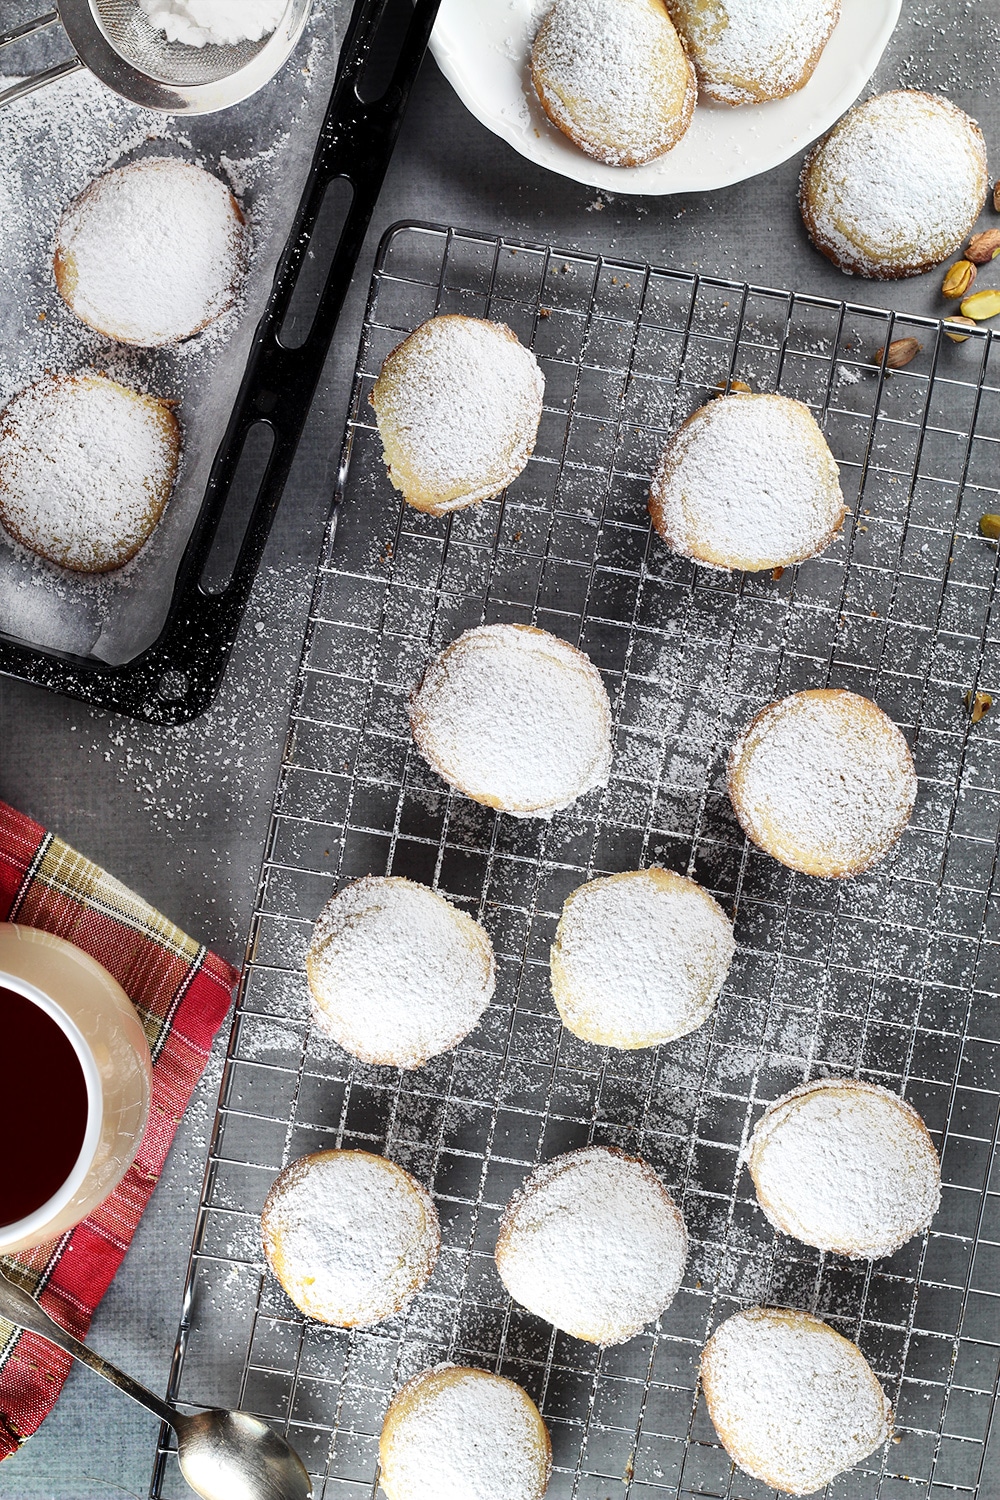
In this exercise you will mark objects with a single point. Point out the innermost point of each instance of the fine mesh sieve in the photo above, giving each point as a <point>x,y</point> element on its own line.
<point>116,41</point>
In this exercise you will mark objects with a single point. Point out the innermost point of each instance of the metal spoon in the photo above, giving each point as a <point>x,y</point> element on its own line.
<point>224,1455</point>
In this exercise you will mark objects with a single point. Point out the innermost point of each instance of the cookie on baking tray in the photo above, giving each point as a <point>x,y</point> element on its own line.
<point>86,469</point>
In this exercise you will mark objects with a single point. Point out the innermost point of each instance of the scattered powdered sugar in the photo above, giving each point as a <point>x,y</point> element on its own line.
<point>614,76</point>
<point>594,1244</point>
<point>749,50</point>
<point>350,1236</point>
<point>86,468</point>
<point>397,973</point>
<point>794,1403</point>
<point>824,781</point>
<point>201,23</point>
<point>515,718</point>
<point>845,1166</point>
<point>458,405</point>
<point>748,482</point>
<point>151,252</point>
<point>639,958</point>
<point>896,185</point>
<point>461,1434</point>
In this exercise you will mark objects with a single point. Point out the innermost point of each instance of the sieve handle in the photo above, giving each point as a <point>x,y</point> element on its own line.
<point>47,75</point>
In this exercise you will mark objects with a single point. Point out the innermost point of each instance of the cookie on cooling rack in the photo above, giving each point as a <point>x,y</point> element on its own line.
<point>86,469</point>
<point>152,252</point>
<point>466,1434</point>
<point>594,1244</point>
<point>748,482</point>
<point>845,1166</point>
<point>896,186</point>
<point>613,76</point>
<point>397,973</point>
<point>823,781</point>
<point>350,1236</point>
<point>750,51</point>
<point>514,718</point>
<point>794,1402</point>
<point>458,405</point>
<point>639,958</point>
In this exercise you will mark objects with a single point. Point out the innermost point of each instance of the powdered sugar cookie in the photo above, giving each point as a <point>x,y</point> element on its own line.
<point>350,1236</point>
<point>454,1433</point>
<point>397,973</point>
<point>614,77</point>
<point>748,482</point>
<point>845,1166</point>
<point>86,469</point>
<point>639,958</point>
<point>823,781</point>
<point>458,406</point>
<point>794,1403</point>
<point>593,1243</point>
<point>749,51</point>
<point>515,718</point>
<point>896,185</point>
<point>151,253</point>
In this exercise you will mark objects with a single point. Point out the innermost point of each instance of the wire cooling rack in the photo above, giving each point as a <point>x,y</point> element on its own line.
<point>893,977</point>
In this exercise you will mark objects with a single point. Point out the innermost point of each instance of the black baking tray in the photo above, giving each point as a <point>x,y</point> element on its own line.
<point>176,678</point>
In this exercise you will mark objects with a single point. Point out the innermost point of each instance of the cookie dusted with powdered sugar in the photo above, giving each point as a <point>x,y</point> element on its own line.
<point>454,1433</point>
<point>350,1236</point>
<point>750,51</point>
<point>594,1244</point>
<point>397,974</point>
<point>458,405</point>
<point>896,186</point>
<point>514,718</point>
<point>86,469</point>
<point>613,76</point>
<point>845,1166</point>
<point>748,482</point>
<point>794,1402</point>
<point>639,958</point>
<point>152,252</point>
<point>823,781</point>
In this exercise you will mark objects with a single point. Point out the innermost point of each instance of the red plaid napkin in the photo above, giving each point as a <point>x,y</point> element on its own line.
<point>182,993</point>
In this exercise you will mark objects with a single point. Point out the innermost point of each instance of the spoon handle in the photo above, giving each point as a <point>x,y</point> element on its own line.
<point>21,1309</point>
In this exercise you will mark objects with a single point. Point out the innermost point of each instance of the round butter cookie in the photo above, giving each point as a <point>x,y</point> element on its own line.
<point>86,469</point>
<point>896,186</point>
<point>350,1236</point>
<point>614,77</point>
<point>514,718</point>
<point>748,482</point>
<point>594,1244</point>
<point>639,958</point>
<point>454,1433</point>
<point>845,1166</point>
<point>458,405</point>
<point>794,1402</point>
<point>823,781</point>
<point>397,973</point>
<point>749,51</point>
<point>151,253</point>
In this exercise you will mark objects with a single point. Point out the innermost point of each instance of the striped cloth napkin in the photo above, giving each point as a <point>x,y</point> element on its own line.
<point>182,993</point>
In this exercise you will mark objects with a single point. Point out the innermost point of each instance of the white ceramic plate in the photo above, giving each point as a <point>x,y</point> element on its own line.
<point>482,47</point>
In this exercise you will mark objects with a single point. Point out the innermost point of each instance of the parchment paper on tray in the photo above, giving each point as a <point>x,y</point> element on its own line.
<point>51,144</point>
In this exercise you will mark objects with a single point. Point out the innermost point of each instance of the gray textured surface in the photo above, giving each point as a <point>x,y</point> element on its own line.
<point>181,815</point>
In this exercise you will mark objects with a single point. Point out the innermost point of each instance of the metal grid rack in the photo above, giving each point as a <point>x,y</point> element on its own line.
<point>892,977</point>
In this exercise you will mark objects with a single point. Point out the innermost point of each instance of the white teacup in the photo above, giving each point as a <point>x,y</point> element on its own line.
<point>100,1024</point>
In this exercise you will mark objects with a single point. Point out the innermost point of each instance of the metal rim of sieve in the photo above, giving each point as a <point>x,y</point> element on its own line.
<point>117,43</point>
